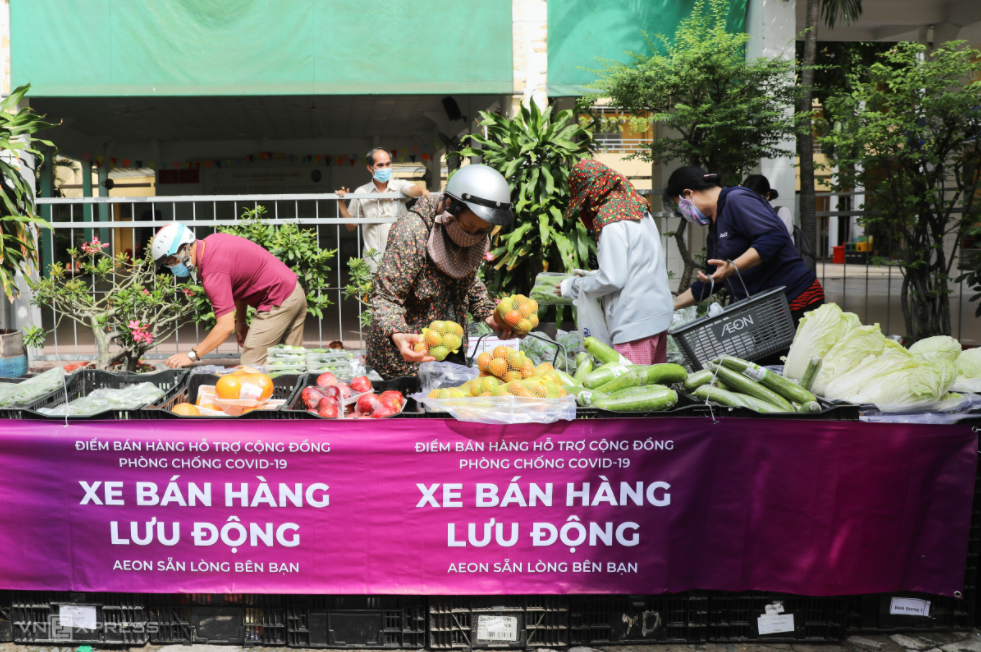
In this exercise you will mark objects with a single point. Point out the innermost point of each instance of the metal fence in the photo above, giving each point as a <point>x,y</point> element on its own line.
<point>128,225</point>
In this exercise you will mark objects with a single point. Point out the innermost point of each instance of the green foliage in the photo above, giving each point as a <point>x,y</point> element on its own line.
<point>362,283</point>
<point>535,152</point>
<point>34,337</point>
<point>729,112</point>
<point>910,134</point>
<point>18,216</point>
<point>133,309</point>
<point>296,247</point>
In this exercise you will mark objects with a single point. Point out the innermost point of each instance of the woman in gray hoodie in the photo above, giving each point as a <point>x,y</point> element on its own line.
<point>632,280</point>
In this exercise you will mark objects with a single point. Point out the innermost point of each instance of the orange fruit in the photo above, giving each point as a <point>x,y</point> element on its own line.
<point>498,367</point>
<point>534,321</point>
<point>523,326</point>
<point>210,406</point>
<point>263,382</point>
<point>500,351</point>
<point>515,359</point>
<point>512,376</point>
<point>512,318</point>
<point>420,347</point>
<point>433,339</point>
<point>229,386</point>
<point>528,308</point>
<point>483,360</point>
<point>185,409</point>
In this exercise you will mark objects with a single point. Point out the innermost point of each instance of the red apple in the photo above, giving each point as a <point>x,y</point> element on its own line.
<point>328,411</point>
<point>368,403</point>
<point>382,412</point>
<point>311,396</point>
<point>346,391</point>
<point>392,399</point>
<point>327,401</point>
<point>333,392</point>
<point>326,379</point>
<point>361,384</point>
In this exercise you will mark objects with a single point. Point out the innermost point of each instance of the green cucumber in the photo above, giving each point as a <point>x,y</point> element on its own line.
<point>603,375</point>
<point>661,374</point>
<point>602,352</point>
<point>744,385</point>
<point>567,380</point>
<point>654,400</point>
<point>810,407</point>
<point>721,396</point>
<point>785,388</point>
<point>633,391</point>
<point>584,364</point>
<point>813,367</point>
<point>762,406</point>
<point>698,379</point>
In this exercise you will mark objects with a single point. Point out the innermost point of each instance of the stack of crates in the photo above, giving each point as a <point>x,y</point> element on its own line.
<point>733,616</point>
<point>236,619</point>
<point>356,621</point>
<point>498,622</point>
<point>667,618</point>
<point>91,618</point>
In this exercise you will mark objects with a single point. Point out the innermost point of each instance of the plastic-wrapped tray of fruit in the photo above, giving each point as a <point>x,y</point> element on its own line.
<point>331,398</point>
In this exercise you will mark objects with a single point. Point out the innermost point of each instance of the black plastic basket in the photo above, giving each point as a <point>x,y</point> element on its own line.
<point>286,387</point>
<point>11,411</point>
<point>84,381</point>
<point>618,619</point>
<point>120,618</point>
<point>355,621</point>
<point>6,627</point>
<point>498,622</point>
<point>239,619</point>
<point>751,328</point>
<point>733,616</point>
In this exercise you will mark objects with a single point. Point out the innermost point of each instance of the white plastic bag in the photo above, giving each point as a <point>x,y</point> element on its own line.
<point>437,375</point>
<point>503,410</point>
<point>590,319</point>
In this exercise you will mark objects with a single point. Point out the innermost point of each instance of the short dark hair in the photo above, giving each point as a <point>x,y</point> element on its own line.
<point>690,177</point>
<point>758,184</point>
<point>371,154</point>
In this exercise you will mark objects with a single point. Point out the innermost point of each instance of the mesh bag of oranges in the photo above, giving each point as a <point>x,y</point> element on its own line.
<point>440,339</point>
<point>509,364</point>
<point>517,312</point>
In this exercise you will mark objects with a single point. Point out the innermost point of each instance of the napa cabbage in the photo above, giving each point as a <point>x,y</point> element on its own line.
<point>847,353</point>
<point>818,331</point>
<point>940,346</point>
<point>968,363</point>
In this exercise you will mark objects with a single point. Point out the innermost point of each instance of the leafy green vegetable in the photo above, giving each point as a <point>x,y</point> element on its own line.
<point>819,330</point>
<point>847,353</point>
<point>968,363</point>
<point>938,346</point>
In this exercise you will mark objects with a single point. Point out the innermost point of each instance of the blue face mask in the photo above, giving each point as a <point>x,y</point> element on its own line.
<point>383,175</point>
<point>180,271</point>
<point>691,213</point>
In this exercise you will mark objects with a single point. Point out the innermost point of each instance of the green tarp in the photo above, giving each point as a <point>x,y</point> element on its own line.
<point>260,47</point>
<point>582,32</point>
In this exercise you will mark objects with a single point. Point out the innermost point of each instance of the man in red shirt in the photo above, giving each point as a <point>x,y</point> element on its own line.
<point>236,273</point>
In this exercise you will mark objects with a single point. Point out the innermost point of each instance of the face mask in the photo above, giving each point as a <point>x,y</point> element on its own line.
<point>460,237</point>
<point>181,270</point>
<point>691,213</point>
<point>383,175</point>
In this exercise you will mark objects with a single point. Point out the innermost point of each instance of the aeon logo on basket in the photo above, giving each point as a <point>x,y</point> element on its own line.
<point>81,622</point>
<point>736,325</point>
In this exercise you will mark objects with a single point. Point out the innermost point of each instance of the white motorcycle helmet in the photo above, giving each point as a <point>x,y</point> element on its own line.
<point>168,241</point>
<point>485,191</point>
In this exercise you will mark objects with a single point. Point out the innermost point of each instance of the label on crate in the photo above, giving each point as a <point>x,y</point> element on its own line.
<point>754,372</point>
<point>77,616</point>
<point>909,607</point>
<point>497,628</point>
<point>774,608</point>
<point>775,624</point>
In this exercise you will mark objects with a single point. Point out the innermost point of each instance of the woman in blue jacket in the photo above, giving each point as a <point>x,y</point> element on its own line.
<point>745,229</point>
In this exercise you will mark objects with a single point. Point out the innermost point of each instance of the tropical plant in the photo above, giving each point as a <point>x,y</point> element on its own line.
<point>18,216</point>
<point>129,309</point>
<point>362,283</point>
<point>910,135</point>
<point>728,112</point>
<point>832,12</point>
<point>296,247</point>
<point>535,151</point>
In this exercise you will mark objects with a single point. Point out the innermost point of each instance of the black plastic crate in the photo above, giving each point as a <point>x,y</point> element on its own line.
<point>239,619</point>
<point>356,621</point>
<point>84,381</point>
<point>12,411</point>
<point>616,619</point>
<point>286,387</point>
<point>870,613</point>
<point>6,624</point>
<point>120,618</point>
<point>733,616</point>
<point>498,622</point>
<point>829,411</point>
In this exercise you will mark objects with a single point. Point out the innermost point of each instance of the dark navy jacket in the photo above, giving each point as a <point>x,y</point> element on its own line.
<point>746,220</point>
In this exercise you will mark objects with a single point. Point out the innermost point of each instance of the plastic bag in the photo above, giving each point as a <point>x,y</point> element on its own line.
<point>681,317</point>
<point>938,412</point>
<point>100,400</point>
<point>970,385</point>
<point>503,410</point>
<point>544,290</point>
<point>32,389</point>
<point>437,375</point>
<point>590,319</point>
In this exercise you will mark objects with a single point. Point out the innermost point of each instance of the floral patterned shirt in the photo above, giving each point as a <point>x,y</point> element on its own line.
<point>411,292</point>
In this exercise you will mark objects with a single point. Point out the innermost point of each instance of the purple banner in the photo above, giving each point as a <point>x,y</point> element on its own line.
<point>426,506</point>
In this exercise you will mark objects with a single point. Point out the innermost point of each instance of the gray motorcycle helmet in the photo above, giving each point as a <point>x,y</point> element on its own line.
<point>485,191</point>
